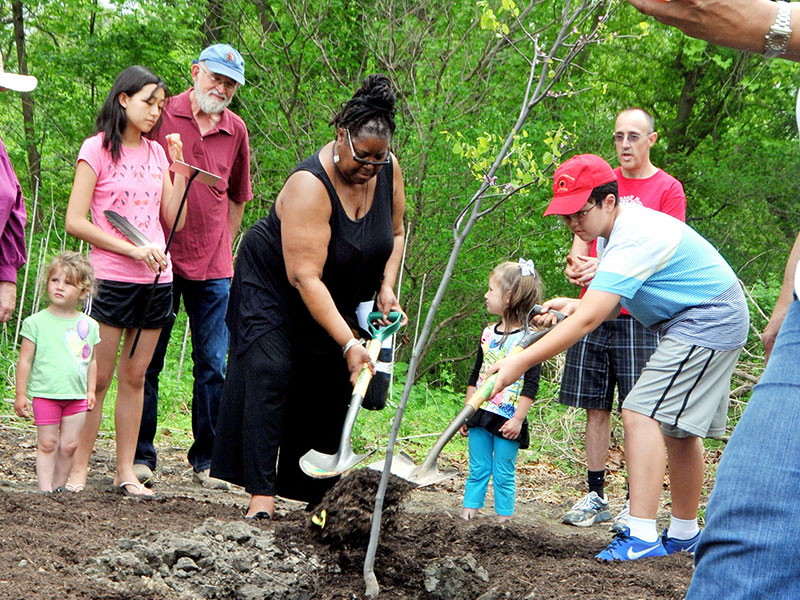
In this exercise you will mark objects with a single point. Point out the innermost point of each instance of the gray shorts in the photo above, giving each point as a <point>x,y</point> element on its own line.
<point>686,388</point>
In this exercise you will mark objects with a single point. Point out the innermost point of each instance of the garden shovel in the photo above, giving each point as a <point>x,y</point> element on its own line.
<point>428,473</point>
<point>320,466</point>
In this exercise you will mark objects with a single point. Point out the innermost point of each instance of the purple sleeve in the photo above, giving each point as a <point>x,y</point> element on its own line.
<point>12,220</point>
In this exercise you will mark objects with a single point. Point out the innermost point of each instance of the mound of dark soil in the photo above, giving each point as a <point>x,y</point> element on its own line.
<point>192,543</point>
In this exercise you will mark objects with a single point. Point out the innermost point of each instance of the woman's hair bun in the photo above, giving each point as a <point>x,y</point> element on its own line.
<point>377,89</point>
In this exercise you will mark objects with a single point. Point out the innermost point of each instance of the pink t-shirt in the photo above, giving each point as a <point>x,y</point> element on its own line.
<point>132,187</point>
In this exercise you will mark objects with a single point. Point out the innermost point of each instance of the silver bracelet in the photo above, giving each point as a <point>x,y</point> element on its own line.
<point>350,343</point>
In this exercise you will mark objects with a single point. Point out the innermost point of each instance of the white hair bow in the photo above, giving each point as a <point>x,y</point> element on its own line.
<point>526,266</point>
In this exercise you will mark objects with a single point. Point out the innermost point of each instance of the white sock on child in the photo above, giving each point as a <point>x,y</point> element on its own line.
<point>644,529</point>
<point>682,529</point>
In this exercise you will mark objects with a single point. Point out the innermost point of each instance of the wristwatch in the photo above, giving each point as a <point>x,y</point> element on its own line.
<point>778,37</point>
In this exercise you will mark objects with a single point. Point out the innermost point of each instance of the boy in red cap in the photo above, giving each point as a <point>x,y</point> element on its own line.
<point>671,279</point>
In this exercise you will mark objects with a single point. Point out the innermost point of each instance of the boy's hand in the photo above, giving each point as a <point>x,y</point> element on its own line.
<point>567,306</point>
<point>90,401</point>
<point>464,430</point>
<point>22,407</point>
<point>511,428</point>
<point>508,371</point>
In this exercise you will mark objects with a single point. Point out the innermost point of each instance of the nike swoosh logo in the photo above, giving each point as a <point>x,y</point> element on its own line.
<point>634,555</point>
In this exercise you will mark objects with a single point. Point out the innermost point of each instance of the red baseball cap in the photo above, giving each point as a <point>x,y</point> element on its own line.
<point>574,181</point>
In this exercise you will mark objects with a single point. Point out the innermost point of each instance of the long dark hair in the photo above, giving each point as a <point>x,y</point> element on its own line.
<point>370,110</point>
<point>112,119</point>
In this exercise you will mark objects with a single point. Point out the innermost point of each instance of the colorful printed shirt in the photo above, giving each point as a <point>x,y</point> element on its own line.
<point>63,352</point>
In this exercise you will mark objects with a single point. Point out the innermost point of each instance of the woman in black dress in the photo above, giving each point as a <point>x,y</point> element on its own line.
<point>332,239</point>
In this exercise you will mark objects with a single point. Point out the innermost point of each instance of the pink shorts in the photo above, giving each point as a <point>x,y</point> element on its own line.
<point>50,412</point>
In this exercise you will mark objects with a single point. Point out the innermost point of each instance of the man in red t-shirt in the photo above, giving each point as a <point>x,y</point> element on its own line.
<point>215,140</point>
<point>614,354</point>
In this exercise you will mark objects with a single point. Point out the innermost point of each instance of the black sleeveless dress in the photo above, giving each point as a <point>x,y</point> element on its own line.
<point>287,383</point>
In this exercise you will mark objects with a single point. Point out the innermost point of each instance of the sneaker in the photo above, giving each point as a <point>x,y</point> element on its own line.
<point>212,483</point>
<point>626,547</point>
<point>588,510</point>
<point>143,473</point>
<point>621,520</point>
<point>673,545</point>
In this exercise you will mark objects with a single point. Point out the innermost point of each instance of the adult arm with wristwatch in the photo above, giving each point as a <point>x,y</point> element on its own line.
<point>760,26</point>
<point>748,548</point>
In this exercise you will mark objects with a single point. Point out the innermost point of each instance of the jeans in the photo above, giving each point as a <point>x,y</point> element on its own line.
<point>749,549</point>
<point>206,303</point>
<point>495,457</point>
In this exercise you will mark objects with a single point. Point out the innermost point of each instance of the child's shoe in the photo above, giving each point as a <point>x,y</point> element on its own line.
<point>626,547</point>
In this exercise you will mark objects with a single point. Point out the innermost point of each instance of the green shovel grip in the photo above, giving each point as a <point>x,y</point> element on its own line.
<point>381,333</point>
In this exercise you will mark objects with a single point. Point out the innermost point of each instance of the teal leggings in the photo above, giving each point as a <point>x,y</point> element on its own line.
<point>495,457</point>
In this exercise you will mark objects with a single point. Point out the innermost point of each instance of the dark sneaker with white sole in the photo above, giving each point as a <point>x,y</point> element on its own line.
<point>588,510</point>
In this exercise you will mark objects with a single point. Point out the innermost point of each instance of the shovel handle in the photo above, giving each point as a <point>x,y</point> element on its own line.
<point>481,395</point>
<point>381,333</point>
<point>365,376</point>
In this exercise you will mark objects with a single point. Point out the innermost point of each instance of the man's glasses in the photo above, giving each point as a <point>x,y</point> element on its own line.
<point>632,137</point>
<point>228,84</point>
<point>577,216</point>
<point>364,161</point>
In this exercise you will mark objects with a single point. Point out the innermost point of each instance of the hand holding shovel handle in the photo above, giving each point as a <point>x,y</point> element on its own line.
<point>319,465</point>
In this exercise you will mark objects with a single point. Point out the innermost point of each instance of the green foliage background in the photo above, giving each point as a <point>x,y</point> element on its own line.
<point>725,121</point>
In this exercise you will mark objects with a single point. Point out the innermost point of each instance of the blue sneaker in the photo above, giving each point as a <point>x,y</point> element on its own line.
<point>673,545</point>
<point>626,547</point>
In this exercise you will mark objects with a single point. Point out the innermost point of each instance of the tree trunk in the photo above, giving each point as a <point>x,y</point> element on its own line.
<point>34,161</point>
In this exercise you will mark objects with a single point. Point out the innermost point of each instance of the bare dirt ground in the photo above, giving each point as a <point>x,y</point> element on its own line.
<point>192,543</point>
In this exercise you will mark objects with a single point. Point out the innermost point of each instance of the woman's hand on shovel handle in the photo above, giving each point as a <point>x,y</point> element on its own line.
<point>387,302</point>
<point>356,357</point>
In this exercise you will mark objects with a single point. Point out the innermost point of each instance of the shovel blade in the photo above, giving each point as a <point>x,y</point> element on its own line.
<point>403,466</point>
<point>322,466</point>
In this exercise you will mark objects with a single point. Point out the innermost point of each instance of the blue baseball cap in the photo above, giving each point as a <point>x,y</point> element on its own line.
<point>223,59</point>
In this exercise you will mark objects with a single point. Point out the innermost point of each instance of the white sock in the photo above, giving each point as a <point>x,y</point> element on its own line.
<point>682,529</point>
<point>644,529</point>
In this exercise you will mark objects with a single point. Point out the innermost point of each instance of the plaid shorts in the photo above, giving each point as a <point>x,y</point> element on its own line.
<point>613,355</point>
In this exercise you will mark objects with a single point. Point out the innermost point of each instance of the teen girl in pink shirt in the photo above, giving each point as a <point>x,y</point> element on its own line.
<point>120,170</point>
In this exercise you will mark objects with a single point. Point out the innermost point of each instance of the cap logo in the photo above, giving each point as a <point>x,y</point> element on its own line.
<point>563,183</point>
<point>229,57</point>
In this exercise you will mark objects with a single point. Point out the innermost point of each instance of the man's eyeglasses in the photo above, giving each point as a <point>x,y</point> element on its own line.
<point>364,161</point>
<point>577,216</point>
<point>632,137</point>
<point>217,80</point>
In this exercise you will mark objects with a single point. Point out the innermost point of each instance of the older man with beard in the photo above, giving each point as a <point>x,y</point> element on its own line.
<point>216,140</point>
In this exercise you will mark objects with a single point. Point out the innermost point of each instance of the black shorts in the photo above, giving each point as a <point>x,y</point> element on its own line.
<point>121,304</point>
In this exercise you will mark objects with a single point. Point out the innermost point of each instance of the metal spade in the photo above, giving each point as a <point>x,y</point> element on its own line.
<point>319,465</point>
<point>428,473</point>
